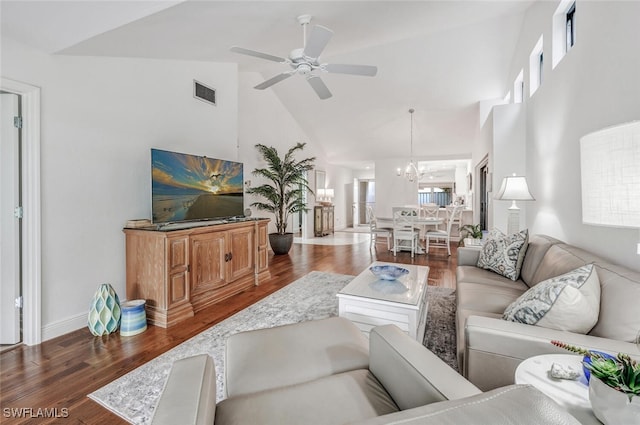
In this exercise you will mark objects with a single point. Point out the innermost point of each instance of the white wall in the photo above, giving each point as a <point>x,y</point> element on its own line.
<point>594,86</point>
<point>392,190</point>
<point>509,156</point>
<point>100,117</point>
<point>262,118</point>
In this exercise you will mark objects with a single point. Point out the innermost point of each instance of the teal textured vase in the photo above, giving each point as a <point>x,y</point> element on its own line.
<point>104,314</point>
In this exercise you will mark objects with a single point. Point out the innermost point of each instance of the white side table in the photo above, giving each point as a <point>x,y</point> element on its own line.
<point>572,395</point>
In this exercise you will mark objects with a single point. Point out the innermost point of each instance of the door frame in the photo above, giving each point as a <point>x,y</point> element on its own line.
<point>484,187</point>
<point>31,203</point>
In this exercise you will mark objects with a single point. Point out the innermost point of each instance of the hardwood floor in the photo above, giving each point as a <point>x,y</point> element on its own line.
<point>59,373</point>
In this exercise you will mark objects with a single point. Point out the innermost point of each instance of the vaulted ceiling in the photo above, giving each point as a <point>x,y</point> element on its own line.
<point>439,57</point>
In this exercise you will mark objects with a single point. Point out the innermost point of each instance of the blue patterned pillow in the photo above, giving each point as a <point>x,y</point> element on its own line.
<point>504,254</point>
<point>570,302</point>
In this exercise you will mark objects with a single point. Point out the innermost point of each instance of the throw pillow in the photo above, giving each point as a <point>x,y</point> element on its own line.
<point>504,254</point>
<point>570,302</point>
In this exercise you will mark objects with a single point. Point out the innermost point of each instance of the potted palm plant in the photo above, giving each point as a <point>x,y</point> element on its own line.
<point>284,193</point>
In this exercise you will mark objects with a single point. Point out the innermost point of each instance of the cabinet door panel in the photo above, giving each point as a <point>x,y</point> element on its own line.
<point>178,253</point>
<point>241,244</point>
<point>208,262</point>
<point>263,248</point>
<point>178,288</point>
<point>178,260</point>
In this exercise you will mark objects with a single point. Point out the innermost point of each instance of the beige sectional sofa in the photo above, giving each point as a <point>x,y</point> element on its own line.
<point>490,348</point>
<point>327,372</point>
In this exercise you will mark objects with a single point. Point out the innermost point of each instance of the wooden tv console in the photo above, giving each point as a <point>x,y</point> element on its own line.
<point>182,271</point>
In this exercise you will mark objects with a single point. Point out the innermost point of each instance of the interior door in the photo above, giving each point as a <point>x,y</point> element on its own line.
<point>9,220</point>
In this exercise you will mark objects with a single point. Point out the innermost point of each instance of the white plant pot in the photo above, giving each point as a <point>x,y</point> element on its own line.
<point>613,407</point>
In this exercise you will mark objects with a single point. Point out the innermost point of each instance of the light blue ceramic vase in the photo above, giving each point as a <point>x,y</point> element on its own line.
<point>104,314</point>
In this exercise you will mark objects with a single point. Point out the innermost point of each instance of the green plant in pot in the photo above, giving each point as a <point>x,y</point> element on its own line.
<point>284,193</point>
<point>614,387</point>
<point>470,231</point>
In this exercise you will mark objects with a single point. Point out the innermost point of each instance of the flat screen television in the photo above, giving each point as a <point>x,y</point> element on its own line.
<point>190,187</point>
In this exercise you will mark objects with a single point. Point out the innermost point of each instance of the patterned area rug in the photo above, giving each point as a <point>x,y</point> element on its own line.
<point>134,395</point>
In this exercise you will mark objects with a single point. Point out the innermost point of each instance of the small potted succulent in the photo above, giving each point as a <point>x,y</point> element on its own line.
<point>615,391</point>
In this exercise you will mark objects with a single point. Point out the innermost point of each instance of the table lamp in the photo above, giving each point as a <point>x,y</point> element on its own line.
<point>514,188</point>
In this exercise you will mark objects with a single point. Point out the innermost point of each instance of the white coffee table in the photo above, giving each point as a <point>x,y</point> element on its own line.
<point>368,301</point>
<point>572,395</point>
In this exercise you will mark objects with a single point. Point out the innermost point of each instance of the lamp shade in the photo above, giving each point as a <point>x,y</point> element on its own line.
<point>514,188</point>
<point>329,193</point>
<point>610,168</point>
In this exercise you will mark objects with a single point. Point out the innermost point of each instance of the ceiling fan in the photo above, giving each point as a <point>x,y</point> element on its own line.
<point>305,61</point>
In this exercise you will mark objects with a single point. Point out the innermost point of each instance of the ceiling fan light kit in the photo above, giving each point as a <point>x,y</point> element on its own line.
<point>305,61</point>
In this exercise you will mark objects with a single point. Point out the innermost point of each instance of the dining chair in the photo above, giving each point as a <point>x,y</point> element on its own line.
<point>430,211</point>
<point>404,228</point>
<point>442,238</point>
<point>376,231</point>
<point>456,220</point>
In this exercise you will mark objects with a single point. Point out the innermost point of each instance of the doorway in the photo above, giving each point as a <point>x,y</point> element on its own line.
<point>484,188</point>
<point>30,225</point>
<point>364,195</point>
<point>10,220</point>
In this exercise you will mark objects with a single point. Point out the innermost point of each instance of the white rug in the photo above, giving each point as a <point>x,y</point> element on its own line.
<point>338,238</point>
<point>134,395</point>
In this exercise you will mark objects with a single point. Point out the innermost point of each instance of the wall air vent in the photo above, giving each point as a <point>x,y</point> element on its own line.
<point>204,93</point>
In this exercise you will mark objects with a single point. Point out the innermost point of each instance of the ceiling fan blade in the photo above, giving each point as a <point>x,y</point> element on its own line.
<point>317,41</point>
<point>319,87</point>
<point>273,80</point>
<point>366,70</point>
<point>260,55</point>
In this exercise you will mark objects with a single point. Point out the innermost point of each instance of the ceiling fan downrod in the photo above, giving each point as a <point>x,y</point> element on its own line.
<point>304,20</point>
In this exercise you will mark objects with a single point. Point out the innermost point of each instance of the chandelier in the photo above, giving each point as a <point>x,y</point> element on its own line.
<point>411,171</point>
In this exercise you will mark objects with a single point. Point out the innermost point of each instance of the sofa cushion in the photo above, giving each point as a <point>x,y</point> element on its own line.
<point>538,247</point>
<point>560,259</point>
<point>291,354</point>
<point>337,399</point>
<point>488,298</point>
<point>619,299</point>
<point>483,277</point>
<point>512,405</point>
<point>568,302</point>
<point>504,254</point>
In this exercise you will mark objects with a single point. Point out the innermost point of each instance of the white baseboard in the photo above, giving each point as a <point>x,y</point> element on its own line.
<point>64,326</point>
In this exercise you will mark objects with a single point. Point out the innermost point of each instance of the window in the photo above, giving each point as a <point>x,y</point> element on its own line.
<point>563,30</point>
<point>540,67</point>
<point>570,29</point>
<point>536,67</point>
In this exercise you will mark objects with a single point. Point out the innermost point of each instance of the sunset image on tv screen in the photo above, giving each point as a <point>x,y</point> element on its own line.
<point>190,187</point>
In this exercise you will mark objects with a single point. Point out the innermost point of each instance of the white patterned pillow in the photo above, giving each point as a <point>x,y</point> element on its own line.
<point>504,254</point>
<point>570,302</point>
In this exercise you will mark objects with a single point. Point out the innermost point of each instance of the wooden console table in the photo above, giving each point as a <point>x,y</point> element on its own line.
<point>180,272</point>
